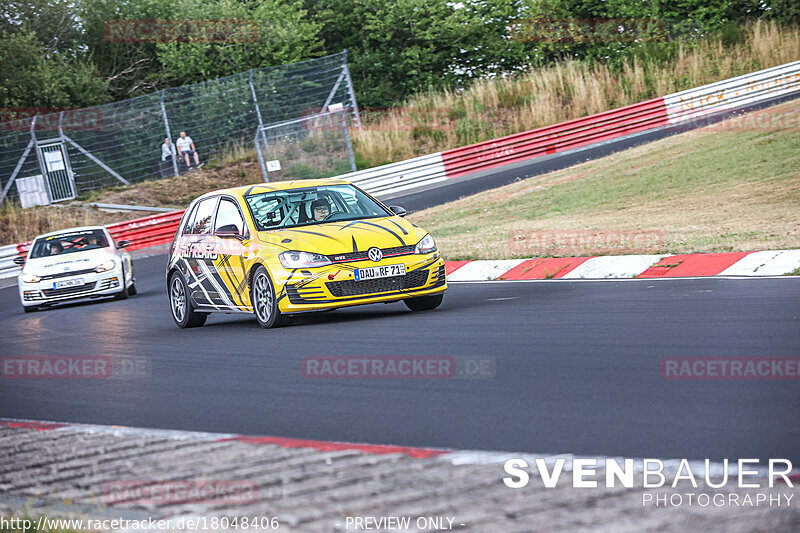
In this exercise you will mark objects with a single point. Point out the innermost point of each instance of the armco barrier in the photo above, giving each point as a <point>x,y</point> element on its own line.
<point>734,93</point>
<point>147,231</point>
<point>400,176</point>
<point>7,267</point>
<point>552,139</point>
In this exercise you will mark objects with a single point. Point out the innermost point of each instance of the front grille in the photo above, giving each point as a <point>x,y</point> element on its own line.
<point>360,256</point>
<point>66,274</point>
<point>50,293</point>
<point>412,280</point>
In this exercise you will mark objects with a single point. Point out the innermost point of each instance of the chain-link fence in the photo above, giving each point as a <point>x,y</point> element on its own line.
<point>122,142</point>
<point>307,147</point>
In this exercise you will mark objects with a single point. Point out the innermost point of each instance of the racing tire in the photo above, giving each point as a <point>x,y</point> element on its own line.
<point>132,289</point>
<point>424,303</point>
<point>30,308</point>
<point>180,304</point>
<point>123,294</point>
<point>265,303</point>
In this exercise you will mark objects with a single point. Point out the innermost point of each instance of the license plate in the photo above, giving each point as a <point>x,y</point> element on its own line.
<point>385,271</point>
<point>68,283</point>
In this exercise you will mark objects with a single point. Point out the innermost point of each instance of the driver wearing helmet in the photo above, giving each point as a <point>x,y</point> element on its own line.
<point>320,209</point>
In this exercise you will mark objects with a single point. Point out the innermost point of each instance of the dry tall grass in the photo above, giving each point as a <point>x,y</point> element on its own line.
<point>21,225</point>
<point>492,108</point>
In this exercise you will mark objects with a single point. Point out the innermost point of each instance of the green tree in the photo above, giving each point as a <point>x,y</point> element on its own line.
<point>394,48</point>
<point>283,34</point>
<point>32,77</point>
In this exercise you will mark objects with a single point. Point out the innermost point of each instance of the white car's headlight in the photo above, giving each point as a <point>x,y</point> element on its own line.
<point>30,278</point>
<point>105,267</point>
<point>292,260</point>
<point>426,245</point>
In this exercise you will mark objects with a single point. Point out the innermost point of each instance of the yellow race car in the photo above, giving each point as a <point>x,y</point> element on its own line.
<point>283,248</point>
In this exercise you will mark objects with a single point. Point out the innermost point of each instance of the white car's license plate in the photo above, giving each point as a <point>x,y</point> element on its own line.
<point>67,283</point>
<point>385,271</point>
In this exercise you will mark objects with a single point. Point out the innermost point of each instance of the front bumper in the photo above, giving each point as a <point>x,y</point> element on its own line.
<point>334,286</point>
<point>95,285</point>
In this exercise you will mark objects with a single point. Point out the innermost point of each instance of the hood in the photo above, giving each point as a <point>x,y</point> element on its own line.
<point>346,236</point>
<point>68,262</point>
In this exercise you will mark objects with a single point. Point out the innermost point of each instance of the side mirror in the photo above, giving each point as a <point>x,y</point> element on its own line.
<point>123,244</point>
<point>228,231</point>
<point>399,211</point>
<point>19,261</point>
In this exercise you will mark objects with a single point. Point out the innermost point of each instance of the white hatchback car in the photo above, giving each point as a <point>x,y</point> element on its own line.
<point>73,264</point>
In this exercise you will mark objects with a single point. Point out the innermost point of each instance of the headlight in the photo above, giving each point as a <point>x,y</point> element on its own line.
<point>108,265</point>
<point>30,278</point>
<point>426,245</point>
<point>292,260</point>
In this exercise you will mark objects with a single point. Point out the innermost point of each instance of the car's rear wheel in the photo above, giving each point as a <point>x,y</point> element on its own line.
<point>424,303</point>
<point>180,304</point>
<point>265,303</point>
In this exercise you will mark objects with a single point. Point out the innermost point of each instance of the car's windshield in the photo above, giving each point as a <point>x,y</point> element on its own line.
<point>65,243</point>
<point>311,205</point>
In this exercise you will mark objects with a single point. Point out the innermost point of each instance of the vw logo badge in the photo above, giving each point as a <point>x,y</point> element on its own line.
<point>375,254</point>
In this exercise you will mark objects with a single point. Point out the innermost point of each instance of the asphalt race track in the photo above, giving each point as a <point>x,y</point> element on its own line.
<point>576,368</point>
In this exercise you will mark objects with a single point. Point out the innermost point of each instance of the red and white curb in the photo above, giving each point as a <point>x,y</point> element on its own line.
<point>455,457</point>
<point>746,264</point>
<point>284,442</point>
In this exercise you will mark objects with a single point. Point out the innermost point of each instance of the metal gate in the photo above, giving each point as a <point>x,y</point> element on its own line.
<point>54,162</point>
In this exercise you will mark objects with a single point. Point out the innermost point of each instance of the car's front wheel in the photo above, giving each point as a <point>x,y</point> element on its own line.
<point>424,303</point>
<point>123,294</point>
<point>183,312</point>
<point>265,303</point>
<point>30,308</point>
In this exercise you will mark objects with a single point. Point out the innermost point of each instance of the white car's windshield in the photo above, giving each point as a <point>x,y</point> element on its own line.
<point>311,205</point>
<point>65,243</point>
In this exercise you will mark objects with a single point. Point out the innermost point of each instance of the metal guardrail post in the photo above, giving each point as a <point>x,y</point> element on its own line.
<point>42,166</point>
<point>97,161</point>
<point>13,177</point>
<point>169,136</point>
<point>260,129</point>
<point>350,88</point>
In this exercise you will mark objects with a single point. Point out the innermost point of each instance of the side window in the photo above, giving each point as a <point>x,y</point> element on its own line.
<point>188,222</point>
<point>228,215</point>
<point>200,222</point>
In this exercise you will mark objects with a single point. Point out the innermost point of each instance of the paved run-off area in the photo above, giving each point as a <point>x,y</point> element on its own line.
<point>61,471</point>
